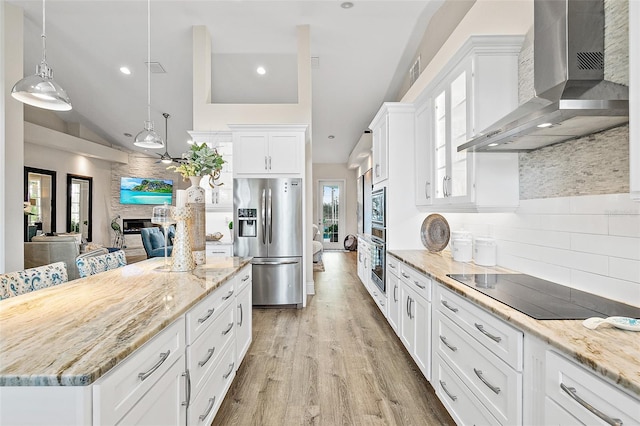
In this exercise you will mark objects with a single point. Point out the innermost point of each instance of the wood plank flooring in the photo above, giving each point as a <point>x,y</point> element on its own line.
<point>336,362</point>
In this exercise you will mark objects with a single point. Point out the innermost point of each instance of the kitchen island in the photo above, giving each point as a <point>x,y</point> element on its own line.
<point>73,334</point>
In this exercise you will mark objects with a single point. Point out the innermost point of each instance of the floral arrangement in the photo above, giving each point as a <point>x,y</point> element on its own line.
<point>200,160</point>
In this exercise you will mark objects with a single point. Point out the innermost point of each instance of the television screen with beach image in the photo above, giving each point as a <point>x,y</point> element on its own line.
<point>145,190</point>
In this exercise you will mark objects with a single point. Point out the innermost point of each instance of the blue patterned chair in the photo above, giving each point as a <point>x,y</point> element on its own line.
<point>28,280</point>
<point>153,241</point>
<point>93,265</point>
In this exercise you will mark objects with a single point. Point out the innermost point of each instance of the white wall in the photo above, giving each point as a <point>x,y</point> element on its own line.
<point>322,171</point>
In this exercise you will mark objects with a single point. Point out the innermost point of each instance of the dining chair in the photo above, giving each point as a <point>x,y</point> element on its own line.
<point>93,265</point>
<point>28,280</point>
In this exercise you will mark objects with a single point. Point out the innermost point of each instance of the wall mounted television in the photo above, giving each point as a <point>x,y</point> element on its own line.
<point>135,190</point>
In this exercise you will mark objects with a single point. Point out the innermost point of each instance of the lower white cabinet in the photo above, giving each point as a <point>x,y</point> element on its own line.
<point>219,249</point>
<point>364,262</point>
<point>393,294</point>
<point>244,317</point>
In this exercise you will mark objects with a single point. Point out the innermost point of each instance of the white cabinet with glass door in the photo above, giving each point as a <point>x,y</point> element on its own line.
<point>478,87</point>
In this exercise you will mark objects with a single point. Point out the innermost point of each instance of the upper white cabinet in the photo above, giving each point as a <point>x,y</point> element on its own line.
<point>476,88</point>
<point>268,150</point>
<point>219,197</point>
<point>391,130</point>
<point>381,149</point>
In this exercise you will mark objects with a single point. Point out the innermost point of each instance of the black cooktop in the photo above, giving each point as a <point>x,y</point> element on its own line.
<point>544,300</point>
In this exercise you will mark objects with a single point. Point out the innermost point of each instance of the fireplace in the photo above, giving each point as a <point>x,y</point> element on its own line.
<point>133,226</point>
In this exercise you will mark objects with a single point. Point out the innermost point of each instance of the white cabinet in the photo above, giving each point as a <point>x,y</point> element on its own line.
<point>364,262</point>
<point>268,150</point>
<point>220,197</point>
<point>380,150</point>
<point>217,249</point>
<point>244,317</point>
<point>393,293</point>
<point>392,129</point>
<point>477,87</point>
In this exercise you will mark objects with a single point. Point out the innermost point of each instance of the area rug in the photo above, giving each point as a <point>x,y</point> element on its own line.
<point>318,267</point>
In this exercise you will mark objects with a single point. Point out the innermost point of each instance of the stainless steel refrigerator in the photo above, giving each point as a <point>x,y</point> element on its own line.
<point>267,217</point>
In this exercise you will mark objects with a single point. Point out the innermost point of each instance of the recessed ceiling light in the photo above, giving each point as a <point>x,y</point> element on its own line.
<point>331,137</point>
<point>543,125</point>
<point>493,144</point>
<point>128,135</point>
<point>125,70</point>
<point>346,5</point>
<point>261,70</point>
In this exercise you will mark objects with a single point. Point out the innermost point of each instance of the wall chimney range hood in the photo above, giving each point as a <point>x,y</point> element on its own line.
<point>572,98</point>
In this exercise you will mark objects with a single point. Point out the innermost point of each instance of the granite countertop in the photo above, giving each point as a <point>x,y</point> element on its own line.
<point>73,333</point>
<point>610,352</point>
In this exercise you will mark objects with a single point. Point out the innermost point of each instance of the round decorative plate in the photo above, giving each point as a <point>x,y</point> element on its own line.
<point>435,232</point>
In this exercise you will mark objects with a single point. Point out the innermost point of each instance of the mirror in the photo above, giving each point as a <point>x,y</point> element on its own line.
<point>39,202</point>
<point>79,205</point>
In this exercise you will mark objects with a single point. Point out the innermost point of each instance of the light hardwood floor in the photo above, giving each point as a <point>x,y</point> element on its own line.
<point>336,362</point>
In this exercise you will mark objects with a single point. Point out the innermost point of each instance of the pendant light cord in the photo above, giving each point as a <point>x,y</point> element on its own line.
<point>44,35</point>
<point>149,60</point>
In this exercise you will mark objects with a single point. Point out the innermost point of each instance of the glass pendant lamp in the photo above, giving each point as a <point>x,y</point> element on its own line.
<point>148,138</point>
<point>40,90</point>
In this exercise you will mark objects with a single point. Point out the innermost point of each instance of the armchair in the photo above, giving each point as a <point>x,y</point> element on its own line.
<point>153,241</point>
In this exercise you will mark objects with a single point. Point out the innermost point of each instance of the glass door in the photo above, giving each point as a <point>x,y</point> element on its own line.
<point>331,214</point>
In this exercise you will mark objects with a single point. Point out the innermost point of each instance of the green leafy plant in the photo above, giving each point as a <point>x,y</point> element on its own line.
<point>200,160</point>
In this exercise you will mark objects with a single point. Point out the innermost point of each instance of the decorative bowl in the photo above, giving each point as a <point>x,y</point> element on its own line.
<point>214,237</point>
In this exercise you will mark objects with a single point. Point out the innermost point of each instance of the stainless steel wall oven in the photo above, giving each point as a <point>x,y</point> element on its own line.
<point>378,237</point>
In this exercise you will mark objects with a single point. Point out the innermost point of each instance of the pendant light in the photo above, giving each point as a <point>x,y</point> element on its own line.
<point>148,138</point>
<point>40,90</point>
<point>166,158</point>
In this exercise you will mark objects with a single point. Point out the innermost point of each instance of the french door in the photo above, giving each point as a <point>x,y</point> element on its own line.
<point>331,213</point>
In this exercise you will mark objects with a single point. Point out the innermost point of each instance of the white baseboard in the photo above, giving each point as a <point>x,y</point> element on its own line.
<point>311,287</point>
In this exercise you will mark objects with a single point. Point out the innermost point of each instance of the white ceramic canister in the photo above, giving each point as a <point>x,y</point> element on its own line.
<point>484,251</point>
<point>456,235</point>
<point>461,249</point>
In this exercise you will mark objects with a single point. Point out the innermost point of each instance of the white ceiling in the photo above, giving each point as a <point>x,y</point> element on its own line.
<point>364,54</point>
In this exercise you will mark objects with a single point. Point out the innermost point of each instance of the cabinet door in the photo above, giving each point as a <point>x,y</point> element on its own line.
<point>250,154</point>
<point>439,146</point>
<point>421,312</point>
<point>243,322</point>
<point>407,322</point>
<point>164,404</point>
<point>393,297</point>
<point>285,153</point>
<point>380,151</point>
<point>423,164</point>
<point>457,184</point>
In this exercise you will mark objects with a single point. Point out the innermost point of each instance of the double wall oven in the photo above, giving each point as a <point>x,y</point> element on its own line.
<point>378,237</point>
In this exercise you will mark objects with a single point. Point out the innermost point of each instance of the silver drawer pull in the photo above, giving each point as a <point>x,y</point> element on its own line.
<point>419,285</point>
<point>207,358</point>
<point>187,375</point>
<point>241,315</point>
<point>395,293</point>
<point>228,295</point>
<point>496,339</point>
<point>224,333</point>
<point>447,344</point>
<point>449,307</point>
<point>228,373</point>
<point>443,385</point>
<point>163,358</point>
<point>495,389</point>
<point>405,275</point>
<point>574,394</point>
<point>392,266</point>
<point>206,317</point>
<point>246,278</point>
<point>212,402</point>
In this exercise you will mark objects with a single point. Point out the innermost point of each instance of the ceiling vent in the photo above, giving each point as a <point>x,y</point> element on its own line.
<point>156,67</point>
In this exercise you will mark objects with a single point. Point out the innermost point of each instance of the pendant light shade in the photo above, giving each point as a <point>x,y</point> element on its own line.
<point>40,90</point>
<point>148,138</point>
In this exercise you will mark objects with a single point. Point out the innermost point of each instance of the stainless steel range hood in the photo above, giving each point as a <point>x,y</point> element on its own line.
<point>572,97</point>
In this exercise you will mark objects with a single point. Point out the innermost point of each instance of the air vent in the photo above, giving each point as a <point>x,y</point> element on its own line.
<point>590,60</point>
<point>414,72</point>
<point>156,67</point>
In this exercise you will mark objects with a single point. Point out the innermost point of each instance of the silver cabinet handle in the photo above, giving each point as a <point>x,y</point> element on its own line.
<point>410,304</point>
<point>574,394</point>
<point>443,385</point>
<point>228,373</point>
<point>444,186</point>
<point>241,315</point>
<point>496,339</point>
<point>427,184</point>
<point>207,357</point>
<point>212,402</point>
<point>495,389</point>
<point>395,292</point>
<point>391,265</point>
<point>447,344</point>
<point>374,293</point>
<point>206,317</point>
<point>228,295</point>
<point>405,275</point>
<point>246,278</point>
<point>224,333</point>
<point>187,375</point>
<point>408,311</point>
<point>449,307</point>
<point>419,285</point>
<point>269,162</point>
<point>163,358</point>
<point>265,162</point>
<point>377,170</point>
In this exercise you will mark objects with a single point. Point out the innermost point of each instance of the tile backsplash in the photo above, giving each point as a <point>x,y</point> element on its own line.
<point>591,243</point>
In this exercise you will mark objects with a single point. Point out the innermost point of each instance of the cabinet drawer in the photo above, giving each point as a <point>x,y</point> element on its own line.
<point>495,384</point>
<point>460,402</point>
<point>122,387</point>
<point>219,250</point>
<point>207,349</point>
<point>393,266</point>
<point>204,313</point>
<point>416,280</point>
<point>585,396</point>
<point>206,403</point>
<point>379,297</point>
<point>496,335</point>
<point>244,278</point>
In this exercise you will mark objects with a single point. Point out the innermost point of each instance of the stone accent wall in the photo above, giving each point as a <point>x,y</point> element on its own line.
<point>595,164</point>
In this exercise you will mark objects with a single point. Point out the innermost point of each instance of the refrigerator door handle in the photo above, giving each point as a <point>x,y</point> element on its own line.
<point>286,262</point>
<point>270,217</point>
<point>264,218</point>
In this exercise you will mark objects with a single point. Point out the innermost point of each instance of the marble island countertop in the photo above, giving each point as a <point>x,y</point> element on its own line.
<point>610,352</point>
<point>73,333</point>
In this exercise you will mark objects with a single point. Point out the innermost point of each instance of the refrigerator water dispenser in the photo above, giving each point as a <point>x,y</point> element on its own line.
<point>247,222</point>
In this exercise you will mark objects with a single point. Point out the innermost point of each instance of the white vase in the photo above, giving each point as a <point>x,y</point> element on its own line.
<point>197,222</point>
<point>181,255</point>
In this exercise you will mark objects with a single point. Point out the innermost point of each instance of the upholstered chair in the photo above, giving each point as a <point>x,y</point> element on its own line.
<point>28,280</point>
<point>153,241</point>
<point>104,262</point>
